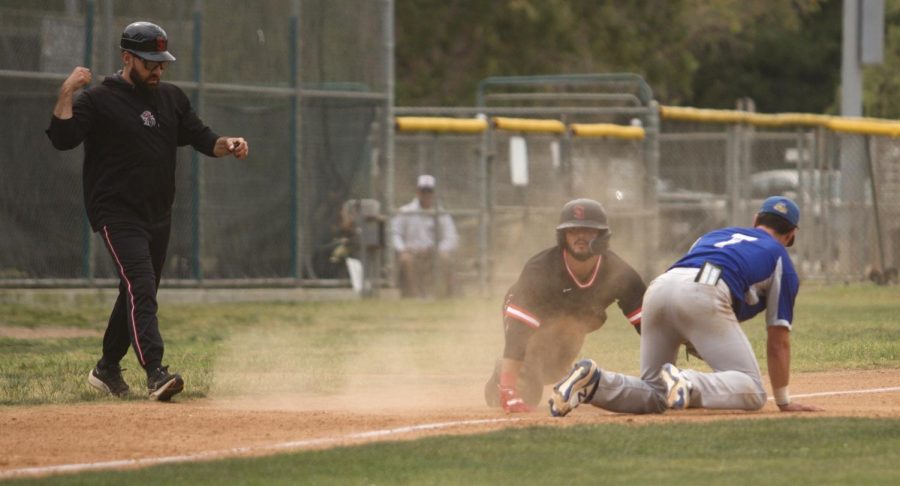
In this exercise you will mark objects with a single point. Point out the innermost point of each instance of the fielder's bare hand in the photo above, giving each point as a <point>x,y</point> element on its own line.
<point>236,146</point>
<point>799,407</point>
<point>79,78</point>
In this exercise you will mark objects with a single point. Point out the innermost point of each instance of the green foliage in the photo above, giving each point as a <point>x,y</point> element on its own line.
<point>783,451</point>
<point>787,62</point>
<point>881,97</point>
<point>785,55</point>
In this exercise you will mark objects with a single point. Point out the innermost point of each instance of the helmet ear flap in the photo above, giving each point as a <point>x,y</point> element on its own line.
<point>601,242</point>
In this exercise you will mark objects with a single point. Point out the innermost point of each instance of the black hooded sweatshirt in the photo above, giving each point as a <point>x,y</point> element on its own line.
<point>130,139</point>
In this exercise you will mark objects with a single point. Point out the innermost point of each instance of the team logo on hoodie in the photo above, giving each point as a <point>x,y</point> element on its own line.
<point>148,119</point>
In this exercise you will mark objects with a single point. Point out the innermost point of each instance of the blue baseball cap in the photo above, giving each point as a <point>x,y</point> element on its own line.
<point>782,206</point>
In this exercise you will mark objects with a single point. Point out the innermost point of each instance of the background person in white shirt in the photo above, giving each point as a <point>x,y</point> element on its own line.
<point>424,238</point>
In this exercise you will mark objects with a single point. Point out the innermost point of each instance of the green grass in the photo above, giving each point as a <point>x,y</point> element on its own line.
<point>297,345</point>
<point>753,452</point>
<point>311,346</point>
<point>841,327</point>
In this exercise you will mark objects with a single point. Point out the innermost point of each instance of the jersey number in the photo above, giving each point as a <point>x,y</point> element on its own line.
<point>735,238</point>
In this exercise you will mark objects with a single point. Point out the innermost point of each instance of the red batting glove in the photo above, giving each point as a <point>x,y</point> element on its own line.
<point>511,401</point>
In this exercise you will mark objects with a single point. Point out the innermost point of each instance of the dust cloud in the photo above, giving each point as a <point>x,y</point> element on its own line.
<point>420,366</point>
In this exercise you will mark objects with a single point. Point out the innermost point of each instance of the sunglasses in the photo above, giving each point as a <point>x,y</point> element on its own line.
<point>152,65</point>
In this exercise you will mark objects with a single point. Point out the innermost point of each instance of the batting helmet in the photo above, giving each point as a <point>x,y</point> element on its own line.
<point>584,213</point>
<point>147,41</point>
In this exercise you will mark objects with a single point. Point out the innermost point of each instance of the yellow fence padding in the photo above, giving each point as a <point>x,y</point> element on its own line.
<point>865,126</point>
<point>440,124</point>
<point>702,115</point>
<point>528,125</point>
<point>862,126</point>
<point>607,130</point>
<point>788,119</point>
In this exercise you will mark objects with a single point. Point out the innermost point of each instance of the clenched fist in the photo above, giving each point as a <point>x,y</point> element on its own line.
<point>80,77</point>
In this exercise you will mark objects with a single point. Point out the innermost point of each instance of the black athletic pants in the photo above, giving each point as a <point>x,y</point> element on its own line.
<point>138,252</point>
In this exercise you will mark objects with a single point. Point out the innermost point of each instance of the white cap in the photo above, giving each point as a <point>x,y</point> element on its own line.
<point>426,181</point>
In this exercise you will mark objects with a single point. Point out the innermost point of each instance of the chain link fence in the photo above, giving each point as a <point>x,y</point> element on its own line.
<point>502,219</point>
<point>712,171</point>
<point>506,184</point>
<point>307,82</point>
<point>717,167</point>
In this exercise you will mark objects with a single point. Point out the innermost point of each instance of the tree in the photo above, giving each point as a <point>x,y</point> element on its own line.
<point>784,53</point>
<point>881,91</point>
<point>788,61</point>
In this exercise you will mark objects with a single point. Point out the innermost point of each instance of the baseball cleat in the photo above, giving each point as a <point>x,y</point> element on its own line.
<point>678,388</point>
<point>163,386</point>
<point>576,388</point>
<point>108,379</point>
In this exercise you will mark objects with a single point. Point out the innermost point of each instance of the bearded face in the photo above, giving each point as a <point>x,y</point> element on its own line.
<point>578,242</point>
<point>145,75</point>
<point>147,81</point>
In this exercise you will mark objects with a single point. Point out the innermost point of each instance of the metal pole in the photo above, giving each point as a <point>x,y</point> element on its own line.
<point>294,136</point>
<point>109,56</point>
<point>485,214</point>
<point>831,163</point>
<point>878,232</point>
<point>651,157</point>
<point>196,169</point>
<point>86,232</point>
<point>432,166</point>
<point>804,184</point>
<point>852,154</point>
<point>388,127</point>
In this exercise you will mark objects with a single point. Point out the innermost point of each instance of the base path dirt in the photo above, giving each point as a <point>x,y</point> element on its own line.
<point>133,433</point>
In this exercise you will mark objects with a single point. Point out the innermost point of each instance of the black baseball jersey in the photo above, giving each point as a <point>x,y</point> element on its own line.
<point>547,293</point>
<point>130,140</point>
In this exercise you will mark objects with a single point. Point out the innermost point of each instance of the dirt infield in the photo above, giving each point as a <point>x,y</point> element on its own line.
<point>134,431</point>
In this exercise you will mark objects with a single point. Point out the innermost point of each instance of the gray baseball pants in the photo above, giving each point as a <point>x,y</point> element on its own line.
<point>676,310</point>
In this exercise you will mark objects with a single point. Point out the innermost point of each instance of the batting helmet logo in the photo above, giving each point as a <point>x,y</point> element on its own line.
<point>161,44</point>
<point>578,211</point>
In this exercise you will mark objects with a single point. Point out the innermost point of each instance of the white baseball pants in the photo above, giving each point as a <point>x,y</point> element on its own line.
<point>676,310</point>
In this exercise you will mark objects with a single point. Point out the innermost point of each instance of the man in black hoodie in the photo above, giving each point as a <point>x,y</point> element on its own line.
<point>131,126</point>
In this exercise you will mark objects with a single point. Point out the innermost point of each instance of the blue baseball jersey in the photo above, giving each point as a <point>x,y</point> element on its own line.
<point>757,269</point>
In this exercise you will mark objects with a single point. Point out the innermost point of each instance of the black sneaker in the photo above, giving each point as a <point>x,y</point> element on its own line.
<point>162,385</point>
<point>109,379</point>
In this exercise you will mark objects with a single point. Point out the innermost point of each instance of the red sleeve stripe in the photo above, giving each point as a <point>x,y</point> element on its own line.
<point>635,317</point>
<point>521,315</point>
